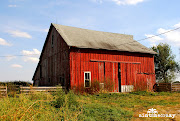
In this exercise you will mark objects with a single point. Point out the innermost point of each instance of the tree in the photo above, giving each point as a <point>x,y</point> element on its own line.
<point>165,64</point>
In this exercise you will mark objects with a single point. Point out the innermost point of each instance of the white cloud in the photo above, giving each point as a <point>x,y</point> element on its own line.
<point>34,52</point>
<point>177,25</point>
<point>17,33</point>
<point>31,59</point>
<point>127,2</point>
<point>10,57</point>
<point>153,39</point>
<point>12,6</point>
<point>16,66</point>
<point>31,56</point>
<point>171,37</point>
<point>4,42</point>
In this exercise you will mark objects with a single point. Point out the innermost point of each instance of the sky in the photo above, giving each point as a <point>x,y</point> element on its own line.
<point>24,25</point>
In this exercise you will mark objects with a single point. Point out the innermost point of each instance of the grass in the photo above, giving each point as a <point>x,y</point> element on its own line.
<point>107,106</point>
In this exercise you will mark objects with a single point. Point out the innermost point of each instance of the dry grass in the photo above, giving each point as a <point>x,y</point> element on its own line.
<point>171,106</point>
<point>107,106</point>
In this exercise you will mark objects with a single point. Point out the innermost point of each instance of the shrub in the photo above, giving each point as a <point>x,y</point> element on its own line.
<point>39,95</point>
<point>108,85</point>
<point>95,87</point>
<point>13,90</point>
<point>68,100</point>
<point>72,100</point>
<point>140,85</point>
<point>60,98</point>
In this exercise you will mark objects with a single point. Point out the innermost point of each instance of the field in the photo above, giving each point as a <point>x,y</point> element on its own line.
<point>106,106</point>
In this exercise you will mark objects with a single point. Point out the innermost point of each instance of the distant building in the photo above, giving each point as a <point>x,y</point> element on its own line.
<point>74,57</point>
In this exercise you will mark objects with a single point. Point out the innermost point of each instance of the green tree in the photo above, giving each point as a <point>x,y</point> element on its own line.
<point>165,64</point>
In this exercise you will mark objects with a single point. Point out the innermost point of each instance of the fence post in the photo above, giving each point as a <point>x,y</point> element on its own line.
<point>6,90</point>
<point>3,91</point>
<point>21,89</point>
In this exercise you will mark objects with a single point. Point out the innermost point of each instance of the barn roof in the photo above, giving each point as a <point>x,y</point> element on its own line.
<point>84,38</point>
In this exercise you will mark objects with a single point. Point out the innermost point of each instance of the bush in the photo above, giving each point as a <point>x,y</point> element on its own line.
<point>72,100</point>
<point>63,100</point>
<point>39,95</point>
<point>108,85</point>
<point>95,87</point>
<point>60,99</point>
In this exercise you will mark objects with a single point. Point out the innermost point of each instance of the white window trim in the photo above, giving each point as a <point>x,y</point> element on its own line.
<point>89,78</point>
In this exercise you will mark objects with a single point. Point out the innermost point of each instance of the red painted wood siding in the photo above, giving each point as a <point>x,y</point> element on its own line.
<point>136,68</point>
<point>140,75</point>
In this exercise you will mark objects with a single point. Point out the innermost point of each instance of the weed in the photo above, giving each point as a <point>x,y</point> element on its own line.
<point>72,100</point>
<point>60,99</point>
<point>96,88</point>
<point>101,112</point>
<point>70,106</point>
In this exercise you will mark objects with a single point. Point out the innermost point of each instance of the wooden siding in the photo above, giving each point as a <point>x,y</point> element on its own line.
<point>54,61</point>
<point>70,63</point>
<point>136,68</point>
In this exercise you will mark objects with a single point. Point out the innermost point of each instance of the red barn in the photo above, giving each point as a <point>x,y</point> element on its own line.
<point>74,57</point>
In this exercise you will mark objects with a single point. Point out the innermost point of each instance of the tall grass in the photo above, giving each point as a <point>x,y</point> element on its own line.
<point>39,106</point>
<point>95,87</point>
<point>69,106</point>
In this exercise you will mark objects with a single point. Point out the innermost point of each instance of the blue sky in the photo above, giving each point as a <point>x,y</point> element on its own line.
<point>24,25</point>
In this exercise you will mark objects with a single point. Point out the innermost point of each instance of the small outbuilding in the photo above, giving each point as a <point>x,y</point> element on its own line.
<point>75,57</point>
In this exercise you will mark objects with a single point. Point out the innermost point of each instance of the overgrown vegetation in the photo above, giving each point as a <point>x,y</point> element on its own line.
<point>18,83</point>
<point>13,88</point>
<point>104,106</point>
<point>96,87</point>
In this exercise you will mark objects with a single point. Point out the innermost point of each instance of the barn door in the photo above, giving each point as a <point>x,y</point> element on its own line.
<point>128,77</point>
<point>101,66</point>
<point>119,76</point>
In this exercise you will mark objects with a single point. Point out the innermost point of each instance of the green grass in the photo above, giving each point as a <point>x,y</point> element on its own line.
<point>99,107</point>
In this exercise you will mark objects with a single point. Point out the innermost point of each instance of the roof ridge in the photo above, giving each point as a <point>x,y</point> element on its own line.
<point>85,38</point>
<point>92,30</point>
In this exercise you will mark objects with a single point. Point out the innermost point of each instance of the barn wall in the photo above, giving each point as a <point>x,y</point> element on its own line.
<point>54,61</point>
<point>36,77</point>
<point>140,75</point>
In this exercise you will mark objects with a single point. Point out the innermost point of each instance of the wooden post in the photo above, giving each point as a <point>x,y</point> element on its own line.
<point>6,90</point>
<point>3,91</point>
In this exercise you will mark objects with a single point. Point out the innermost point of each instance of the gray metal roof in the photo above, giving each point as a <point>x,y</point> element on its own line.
<point>84,38</point>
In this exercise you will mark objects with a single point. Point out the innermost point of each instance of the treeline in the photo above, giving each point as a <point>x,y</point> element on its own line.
<point>18,83</point>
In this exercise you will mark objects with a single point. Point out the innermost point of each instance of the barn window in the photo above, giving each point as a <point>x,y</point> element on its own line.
<point>52,41</point>
<point>87,79</point>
